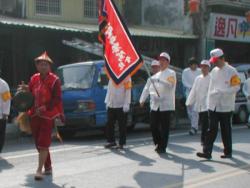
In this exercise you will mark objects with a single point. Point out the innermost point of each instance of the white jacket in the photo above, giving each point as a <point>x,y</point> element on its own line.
<point>224,84</point>
<point>165,84</point>
<point>145,92</point>
<point>188,77</point>
<point>118,96</point>
<point>4,99</point>
<point>198,93</point>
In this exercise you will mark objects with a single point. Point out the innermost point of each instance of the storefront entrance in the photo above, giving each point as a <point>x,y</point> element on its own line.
<point>235,52</point>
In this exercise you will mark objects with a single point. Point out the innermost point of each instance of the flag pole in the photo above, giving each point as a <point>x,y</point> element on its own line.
<point>151,80</point>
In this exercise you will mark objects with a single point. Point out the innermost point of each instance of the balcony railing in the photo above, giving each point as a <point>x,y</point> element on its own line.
<point>243,4</point>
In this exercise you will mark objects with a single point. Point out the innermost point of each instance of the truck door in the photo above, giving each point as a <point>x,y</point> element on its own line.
<point>100,94</point>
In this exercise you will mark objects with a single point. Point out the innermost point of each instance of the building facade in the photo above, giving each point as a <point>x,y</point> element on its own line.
<point>159,25</point>
<point>168,17</point>
<point>28,27</point>
<point>226,27</point>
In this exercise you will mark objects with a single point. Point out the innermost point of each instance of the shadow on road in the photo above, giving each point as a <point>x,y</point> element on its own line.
<point>4,165</point>
<point>152,179</point>
<point>143,161</point>
<point>245,155</point>
<point>181,149</point>
<point>233,162</point>
<point>188,164</point>
<point>156,180</point>
<point>46,182</point>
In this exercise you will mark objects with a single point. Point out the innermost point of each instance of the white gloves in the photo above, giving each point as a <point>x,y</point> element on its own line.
<point>215,92</point>
<point>125,108</point>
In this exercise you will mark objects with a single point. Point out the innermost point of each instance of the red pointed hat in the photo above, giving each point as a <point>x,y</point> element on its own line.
<point>44,57</point>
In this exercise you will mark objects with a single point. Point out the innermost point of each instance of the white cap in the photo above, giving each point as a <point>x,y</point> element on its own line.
<point>155,63</point>
<point>205,62</point>
<point>165,55</point>
<point>215,55</point>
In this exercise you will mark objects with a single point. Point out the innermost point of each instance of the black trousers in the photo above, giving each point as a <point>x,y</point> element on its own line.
<point>116,114</point>
<point>225,120</point>
<point>2,133</point>
<point>204,122</point>
<point>160,124</point>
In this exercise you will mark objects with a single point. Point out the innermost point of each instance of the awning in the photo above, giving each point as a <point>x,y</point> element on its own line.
<point>159,32</point>
<point>91,28</point>
<point>44,24</point>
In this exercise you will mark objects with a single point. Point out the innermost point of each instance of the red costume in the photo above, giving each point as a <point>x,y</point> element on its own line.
<point>47,106</point>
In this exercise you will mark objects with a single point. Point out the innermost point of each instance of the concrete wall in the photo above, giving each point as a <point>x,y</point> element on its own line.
<point>12,8</point>
<point>7,5</point>
<point>166,13</point>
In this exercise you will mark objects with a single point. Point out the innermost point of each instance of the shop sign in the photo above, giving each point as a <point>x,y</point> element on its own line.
<point>228,27</point>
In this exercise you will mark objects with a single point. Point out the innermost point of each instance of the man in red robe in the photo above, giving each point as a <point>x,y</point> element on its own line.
<point>46,89</point>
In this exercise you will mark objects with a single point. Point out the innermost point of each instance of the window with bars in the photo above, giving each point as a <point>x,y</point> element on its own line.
<point>48,7</point>
<point>90,8</point>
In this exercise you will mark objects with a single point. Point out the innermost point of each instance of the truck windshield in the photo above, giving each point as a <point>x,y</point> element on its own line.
<point>76,77</point>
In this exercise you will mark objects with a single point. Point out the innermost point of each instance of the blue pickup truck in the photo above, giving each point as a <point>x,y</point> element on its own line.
<point>84,87</point>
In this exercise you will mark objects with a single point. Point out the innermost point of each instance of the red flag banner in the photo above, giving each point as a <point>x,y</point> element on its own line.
<point>121,57</point>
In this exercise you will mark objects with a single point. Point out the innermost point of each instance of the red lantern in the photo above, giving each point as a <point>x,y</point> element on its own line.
<point>248,16</point>
<point>194,6</point>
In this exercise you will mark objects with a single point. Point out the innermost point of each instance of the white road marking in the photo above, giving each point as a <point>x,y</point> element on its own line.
<point>96,145</point>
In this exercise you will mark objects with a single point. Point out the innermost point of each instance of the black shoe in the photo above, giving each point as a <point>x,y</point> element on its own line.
<point>157,147</point>
<point>160,150</point>
<point>228,156</point>
<point>204,155</point>
<point>193,131</point>
<point>110,145</point>
<point>120,147</point>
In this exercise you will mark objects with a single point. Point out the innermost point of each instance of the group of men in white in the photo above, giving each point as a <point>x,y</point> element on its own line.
<point>212,97</point>
<point>210,100</point>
